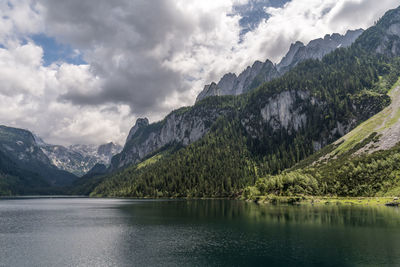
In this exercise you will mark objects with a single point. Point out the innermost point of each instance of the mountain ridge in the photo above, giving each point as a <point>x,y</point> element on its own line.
<point>260,72</point>
<point>80,159</point>
<point>230,84</point>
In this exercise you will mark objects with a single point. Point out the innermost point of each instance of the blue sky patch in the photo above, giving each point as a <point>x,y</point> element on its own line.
<point>54,51</point>
<point>253,13</point>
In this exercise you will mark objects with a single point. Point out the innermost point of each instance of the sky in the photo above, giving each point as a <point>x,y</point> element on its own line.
<point>83,71</point>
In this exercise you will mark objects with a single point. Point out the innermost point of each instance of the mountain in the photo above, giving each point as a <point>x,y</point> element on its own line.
<point>25,164</point>
<point>384,37</point>
<point>364,162</point>
<point>183,126</point>
<point>79,159</point>
<point>284,124</point>
<point>187,125</point>
<point>259,72</point>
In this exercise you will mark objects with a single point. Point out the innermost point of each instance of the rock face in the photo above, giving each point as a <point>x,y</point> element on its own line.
<point>283,111</point>
<point>183,126</point>
<point>212,89</point>
<point>250,78</point>
<point>388,36</point>
<point>140,123</point>
<point>279,111</point>
<point>21,147</point>
<point>259,72</point>
<point>79,159</point>
<point>316,49</point>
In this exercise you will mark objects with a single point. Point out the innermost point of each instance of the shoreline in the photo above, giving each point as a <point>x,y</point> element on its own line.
<point>266,200</point>
<point>326,200</point>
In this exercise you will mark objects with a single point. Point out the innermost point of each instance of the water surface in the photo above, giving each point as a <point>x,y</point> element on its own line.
<point>111,232</point>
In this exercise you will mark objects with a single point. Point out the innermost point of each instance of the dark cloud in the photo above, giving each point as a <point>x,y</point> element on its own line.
<point>127,43</point>
<point>141,85</point>
<point>119,39</point>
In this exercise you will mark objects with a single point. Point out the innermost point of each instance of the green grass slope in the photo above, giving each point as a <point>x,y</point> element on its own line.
<point>365,162</point>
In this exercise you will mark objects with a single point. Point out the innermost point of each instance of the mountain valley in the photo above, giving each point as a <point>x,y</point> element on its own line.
<point>324,121</point>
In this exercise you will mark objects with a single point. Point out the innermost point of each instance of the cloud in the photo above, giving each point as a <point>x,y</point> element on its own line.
<point>143,58</point>
<point>134,46</point>
<point>19,18</point>
<point>29,99</point>
<point>21,61</point>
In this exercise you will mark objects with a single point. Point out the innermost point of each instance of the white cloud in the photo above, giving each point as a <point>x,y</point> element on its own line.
<point>19,18</point>
<point>29,99</point>
<point>20,70</point>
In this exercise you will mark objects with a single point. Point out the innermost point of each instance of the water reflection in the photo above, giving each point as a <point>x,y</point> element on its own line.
<point>105,232</point>
<point>200,210</point>
<point>235,233</point>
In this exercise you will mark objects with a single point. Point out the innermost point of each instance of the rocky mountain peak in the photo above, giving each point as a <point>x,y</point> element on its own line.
<point>140,123</point>
<point>289,57</point>
<point>384,37</point>
<point>316,49</point>
<point>230,84</point>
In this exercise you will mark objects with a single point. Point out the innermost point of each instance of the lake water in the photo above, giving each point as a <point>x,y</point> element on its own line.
<point>112,232</point>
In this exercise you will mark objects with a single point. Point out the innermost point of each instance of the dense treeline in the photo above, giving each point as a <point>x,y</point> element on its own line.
<point>203,109</point>
<point>219,165</point>
<point>365,175</point>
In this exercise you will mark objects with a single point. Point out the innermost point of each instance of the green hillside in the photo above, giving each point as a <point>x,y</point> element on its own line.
<point>365,162</point>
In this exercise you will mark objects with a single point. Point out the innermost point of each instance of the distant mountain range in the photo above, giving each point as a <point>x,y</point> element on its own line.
<point>79,159</point>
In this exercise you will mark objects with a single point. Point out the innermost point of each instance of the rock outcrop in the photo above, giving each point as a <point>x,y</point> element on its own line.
<point>250,78</point>
<point>183,126</point>
<point>280,111</point>
<point>384,38</point>
<point>316,49</point>
<point>283,111</point>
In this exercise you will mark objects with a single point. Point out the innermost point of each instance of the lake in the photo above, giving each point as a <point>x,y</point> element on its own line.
<point>115,232</point>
